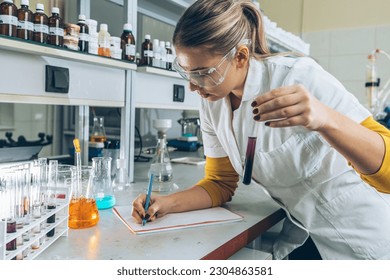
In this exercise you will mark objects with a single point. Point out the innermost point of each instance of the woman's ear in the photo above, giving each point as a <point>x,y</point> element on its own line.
<point>242,56</point>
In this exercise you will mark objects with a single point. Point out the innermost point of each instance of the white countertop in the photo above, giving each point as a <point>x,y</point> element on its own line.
<point>110,238</point>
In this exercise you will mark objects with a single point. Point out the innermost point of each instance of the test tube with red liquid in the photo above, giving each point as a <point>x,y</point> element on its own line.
<point>249,159</point>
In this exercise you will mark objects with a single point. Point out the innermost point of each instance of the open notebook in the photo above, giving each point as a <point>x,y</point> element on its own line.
<point>173,221</point>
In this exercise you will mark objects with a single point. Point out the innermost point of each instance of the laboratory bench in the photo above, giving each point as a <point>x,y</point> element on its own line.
<point>110,239</point>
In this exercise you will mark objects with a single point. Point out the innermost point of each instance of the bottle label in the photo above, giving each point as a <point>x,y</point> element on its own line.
<point>7,19</point>
<point>84,37</point>
<point>56,31</point>
<point>104,44</point>
<point>148,53</point>
<point>157,55</point>
<point>130,49</point>
<point>41,28</point>
<point>170,58</point>
<point>27,25</point>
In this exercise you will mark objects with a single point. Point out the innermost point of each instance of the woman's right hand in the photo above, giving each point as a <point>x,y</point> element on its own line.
<point>159,206</point>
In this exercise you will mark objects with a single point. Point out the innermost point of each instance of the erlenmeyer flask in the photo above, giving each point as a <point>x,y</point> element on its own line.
<point>98,132</point>
<point>102,183</point>
<point>161,166</point>
<point>83,212</point>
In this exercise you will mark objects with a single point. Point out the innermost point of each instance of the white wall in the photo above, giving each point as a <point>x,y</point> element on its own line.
<point>343,52</point>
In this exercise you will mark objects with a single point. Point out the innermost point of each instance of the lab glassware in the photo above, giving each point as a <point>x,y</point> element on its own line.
<point>102,183</point>
<point>51,194</point>
<point>249,159</point>
<point>98,131</point>
<point>83,212</point>
<point>161,166</point>
<point>24,240</point>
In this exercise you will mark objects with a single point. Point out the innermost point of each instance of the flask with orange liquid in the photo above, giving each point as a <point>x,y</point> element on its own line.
<point>98,132</point>
<point>83,212</point>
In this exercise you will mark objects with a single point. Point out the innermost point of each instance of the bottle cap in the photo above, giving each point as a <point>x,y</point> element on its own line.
<point>8,1</point>
<point>55,10</point>
<point>25,2</point>
<point>155,42</point>
<point>162,44</point>
<point>147,37</point>
<point>103,27</point>
<point>40,6</point>
<point>82,17</point>
<point>128,27</point>
<point>167,44</point>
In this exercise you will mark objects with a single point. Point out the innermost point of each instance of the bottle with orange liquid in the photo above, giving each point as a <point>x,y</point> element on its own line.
<point>83,212</point>
<point>104,41</point>
<point>98,132</point>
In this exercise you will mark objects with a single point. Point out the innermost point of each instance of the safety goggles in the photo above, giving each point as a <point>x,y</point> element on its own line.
<point>210,77</point>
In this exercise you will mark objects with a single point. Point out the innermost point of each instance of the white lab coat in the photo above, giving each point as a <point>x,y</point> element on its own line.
<point>321,194</point>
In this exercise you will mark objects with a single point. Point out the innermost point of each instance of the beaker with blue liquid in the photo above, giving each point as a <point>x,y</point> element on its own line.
<point>102,183</point>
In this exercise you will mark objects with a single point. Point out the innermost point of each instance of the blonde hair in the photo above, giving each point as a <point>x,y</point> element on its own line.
<point>220,25</point>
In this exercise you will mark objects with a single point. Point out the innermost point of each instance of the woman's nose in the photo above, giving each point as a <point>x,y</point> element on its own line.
<point>193,87</point>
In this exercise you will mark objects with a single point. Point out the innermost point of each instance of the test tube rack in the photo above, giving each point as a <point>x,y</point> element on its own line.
<point>60,225</point>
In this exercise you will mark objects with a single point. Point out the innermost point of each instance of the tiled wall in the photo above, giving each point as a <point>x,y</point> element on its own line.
<point>344,52</point>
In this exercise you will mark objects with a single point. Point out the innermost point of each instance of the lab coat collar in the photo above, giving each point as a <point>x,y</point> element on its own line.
<point>253,84</point>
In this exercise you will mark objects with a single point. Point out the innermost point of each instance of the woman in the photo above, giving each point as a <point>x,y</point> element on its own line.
<point>306,125</point>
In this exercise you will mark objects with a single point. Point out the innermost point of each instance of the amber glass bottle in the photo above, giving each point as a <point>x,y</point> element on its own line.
<point>8,18</point>
<point>147,51</point>
<point>83,35</point>
<point>41,25</point>
<point>128,43</point>
<point>25,21</point>
<point>56,28</point>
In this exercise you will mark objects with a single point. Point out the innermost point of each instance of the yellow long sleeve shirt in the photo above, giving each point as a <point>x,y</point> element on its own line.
<point>221,179</point>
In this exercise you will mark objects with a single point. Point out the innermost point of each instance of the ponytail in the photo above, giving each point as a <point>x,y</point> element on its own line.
<point>255,19</point>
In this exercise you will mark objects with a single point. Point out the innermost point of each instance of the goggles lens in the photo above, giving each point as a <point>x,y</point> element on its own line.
<point>210,77</point>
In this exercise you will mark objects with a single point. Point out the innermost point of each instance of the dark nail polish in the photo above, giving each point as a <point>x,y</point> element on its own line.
<point>147,217</point>
<point>256,118</point>
<point>254,104</point>
<point>255,111</point>
<point>267,123</point>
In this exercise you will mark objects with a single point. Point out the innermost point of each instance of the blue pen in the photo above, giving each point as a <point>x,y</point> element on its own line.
<point>148,194</point>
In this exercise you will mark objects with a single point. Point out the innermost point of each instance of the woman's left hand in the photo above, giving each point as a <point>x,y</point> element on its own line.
<point>290,106</point>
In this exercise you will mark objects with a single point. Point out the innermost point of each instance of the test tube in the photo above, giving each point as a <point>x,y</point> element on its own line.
<point>35,206</point>
<point>52,193</point>
<point>249,159</point>
<point>19,209</point>
<point>10,217</point>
